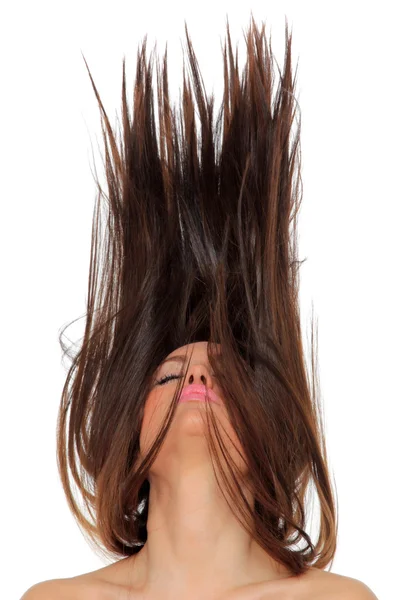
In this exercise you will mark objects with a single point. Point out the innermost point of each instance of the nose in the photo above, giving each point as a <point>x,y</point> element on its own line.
<point>199,374</point>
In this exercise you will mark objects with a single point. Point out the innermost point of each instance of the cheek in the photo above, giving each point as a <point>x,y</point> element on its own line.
<point>154,415</point>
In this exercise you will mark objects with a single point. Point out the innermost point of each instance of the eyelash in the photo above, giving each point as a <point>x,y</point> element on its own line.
<point>165,379</point>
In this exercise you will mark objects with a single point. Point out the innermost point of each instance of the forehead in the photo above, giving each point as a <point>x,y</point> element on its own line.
<point>196,347</point>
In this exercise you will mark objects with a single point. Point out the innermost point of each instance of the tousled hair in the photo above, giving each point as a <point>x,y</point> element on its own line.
<point>199,244</point>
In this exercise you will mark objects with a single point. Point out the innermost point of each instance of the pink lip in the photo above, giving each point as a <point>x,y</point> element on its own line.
<point>197,392</point>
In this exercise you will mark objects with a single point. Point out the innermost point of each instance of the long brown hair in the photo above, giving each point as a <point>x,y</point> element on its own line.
<point>199,244</point>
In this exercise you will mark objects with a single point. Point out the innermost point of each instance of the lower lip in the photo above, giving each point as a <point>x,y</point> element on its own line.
<point>194,398</point>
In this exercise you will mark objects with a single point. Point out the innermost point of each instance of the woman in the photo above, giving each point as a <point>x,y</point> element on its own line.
<point>197,428</point>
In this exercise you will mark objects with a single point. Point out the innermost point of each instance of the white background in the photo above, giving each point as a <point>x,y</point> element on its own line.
<point>348,230</point>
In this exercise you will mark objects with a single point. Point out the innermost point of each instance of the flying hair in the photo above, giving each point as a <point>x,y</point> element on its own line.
<point>195,240</point>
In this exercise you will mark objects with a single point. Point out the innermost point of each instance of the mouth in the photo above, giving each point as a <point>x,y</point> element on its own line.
<point>197,393</point>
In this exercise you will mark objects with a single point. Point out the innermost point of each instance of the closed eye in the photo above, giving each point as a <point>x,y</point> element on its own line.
<point>166,378</point>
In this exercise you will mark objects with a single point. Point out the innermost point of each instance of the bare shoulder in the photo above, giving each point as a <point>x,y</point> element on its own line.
<point>101,584</point>
<point>324,584</point>
<point>46,589</point>
<point>354,589</point>
<point>72,588</point>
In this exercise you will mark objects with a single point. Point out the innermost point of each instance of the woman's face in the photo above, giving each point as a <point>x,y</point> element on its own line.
<point>189,424</point>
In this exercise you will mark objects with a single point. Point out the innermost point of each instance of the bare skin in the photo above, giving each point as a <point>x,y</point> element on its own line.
<point>196,549</point>
<point>112,583</point>
<point>195,544</point>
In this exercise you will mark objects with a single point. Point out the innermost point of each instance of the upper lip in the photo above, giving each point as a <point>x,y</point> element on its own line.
<point>199,389</point>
